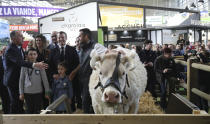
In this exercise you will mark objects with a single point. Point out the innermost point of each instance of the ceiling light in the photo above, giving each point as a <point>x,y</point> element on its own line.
<point>111,32</point>
<point>125,32</point>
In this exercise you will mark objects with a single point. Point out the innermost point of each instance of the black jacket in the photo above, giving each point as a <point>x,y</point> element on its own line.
<point>147,56</point>
<point>162,63</point>
<point>14,61</point>
<point>1,70</point>
<point>70,57</point>
<point>85,69</point>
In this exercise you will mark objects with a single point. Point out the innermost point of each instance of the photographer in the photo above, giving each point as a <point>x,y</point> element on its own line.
<point>147,57</point>
<point>166,74</point>
<point>190,52</point>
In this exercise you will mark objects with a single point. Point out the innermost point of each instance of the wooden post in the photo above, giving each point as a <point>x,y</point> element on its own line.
<point>1,119</point>
<point>193,83</point>
<point>107,119</point>
<point>201,94</point>
<point>201,67</point>
<point>189,62</point>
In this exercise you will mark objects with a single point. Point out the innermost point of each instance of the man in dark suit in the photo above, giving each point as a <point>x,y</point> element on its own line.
<point>3,90</point>
<point>69,55</point>
<point>14,59</point>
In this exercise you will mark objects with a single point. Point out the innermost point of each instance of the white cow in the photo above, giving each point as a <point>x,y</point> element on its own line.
<point>116,91</point>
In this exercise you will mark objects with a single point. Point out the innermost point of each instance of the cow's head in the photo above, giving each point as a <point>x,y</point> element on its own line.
<point>112,69</point>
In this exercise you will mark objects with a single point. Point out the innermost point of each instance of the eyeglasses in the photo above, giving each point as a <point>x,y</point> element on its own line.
<point>53,36</point>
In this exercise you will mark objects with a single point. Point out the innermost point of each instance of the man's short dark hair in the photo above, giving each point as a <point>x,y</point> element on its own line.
<point>167,50</point>
<point>31,49</point>
<point>147,41</point>
<point>62,32</point>
<point>12,34</point>
<point>86,31</point>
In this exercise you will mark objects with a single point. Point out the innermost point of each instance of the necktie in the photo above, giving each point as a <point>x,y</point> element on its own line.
<point>21,52</point>
<point>62,54</point>
<point>56,45</point>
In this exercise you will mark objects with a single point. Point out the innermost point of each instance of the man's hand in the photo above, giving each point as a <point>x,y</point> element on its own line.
<point>150,64</point>
<point>56,76</point>
<point>72,75</point>
<point>189,54</point>
<point>21,97</point>
<point>47,97</point>
<point>41,65</point>
<point>165,70</point>
<point>145,64</point>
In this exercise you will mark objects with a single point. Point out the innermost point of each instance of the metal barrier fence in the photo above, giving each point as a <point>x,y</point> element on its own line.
<point>56,103</point>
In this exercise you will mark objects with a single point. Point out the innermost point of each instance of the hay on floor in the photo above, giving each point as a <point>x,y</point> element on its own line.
<point>147,105</point>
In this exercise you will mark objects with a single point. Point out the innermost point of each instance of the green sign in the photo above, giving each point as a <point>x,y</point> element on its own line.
<point>100,36</point>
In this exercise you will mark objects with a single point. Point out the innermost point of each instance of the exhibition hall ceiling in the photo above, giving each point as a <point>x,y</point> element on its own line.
<point>69,3</point>
<point>160,3</point>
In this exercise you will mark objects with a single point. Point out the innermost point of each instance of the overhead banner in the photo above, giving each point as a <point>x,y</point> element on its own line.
<point>121,17</point>
<point>33,27</point>
<point>27,11</point>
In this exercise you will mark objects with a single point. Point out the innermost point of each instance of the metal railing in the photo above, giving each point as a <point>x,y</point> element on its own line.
<point>56,103</point>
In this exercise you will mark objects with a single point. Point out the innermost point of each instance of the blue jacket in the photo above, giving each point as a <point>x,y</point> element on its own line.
<point>60,87</point>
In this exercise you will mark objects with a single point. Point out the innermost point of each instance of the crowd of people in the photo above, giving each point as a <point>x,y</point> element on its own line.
<point>161,68</point>
<point>43,72</point>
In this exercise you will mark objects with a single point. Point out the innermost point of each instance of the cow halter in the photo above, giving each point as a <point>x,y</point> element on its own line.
<point>114,80</point>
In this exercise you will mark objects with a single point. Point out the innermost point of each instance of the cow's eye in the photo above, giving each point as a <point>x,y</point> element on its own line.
<point>123,73</point>
<point>100,73</point>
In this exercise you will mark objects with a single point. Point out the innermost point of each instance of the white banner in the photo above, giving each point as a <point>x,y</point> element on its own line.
<point>71,21</point>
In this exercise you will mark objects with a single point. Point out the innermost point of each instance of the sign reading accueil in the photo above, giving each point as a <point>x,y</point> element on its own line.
<point>27,11</point>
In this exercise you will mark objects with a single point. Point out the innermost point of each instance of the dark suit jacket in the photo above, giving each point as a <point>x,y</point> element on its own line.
<point>14,61</point>
<point>1,70</point>
<point>71,59</point>
<point>51,46</point>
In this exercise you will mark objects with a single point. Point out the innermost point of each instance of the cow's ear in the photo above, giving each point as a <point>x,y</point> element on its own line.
<point>124,60</point>
<point>128,62</point>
